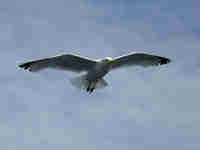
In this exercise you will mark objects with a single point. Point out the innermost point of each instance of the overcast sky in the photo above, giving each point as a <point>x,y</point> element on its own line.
<point>154,108</point>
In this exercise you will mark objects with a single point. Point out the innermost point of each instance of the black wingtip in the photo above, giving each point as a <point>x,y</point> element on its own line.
<point>164,61</point>
<point>25,66</point>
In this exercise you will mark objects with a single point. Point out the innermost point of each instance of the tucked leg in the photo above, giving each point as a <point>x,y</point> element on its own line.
<point>88,89</point>
<point>89,86</point>
<point>93,85</point>
<point>92,89</point>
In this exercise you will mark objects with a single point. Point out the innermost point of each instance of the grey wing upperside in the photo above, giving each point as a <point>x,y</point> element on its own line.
<point>68,62</point>
<point>138,59</point>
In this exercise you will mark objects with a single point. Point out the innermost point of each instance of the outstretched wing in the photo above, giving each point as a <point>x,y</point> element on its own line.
<point>138,59</point>
<point>69,62</point>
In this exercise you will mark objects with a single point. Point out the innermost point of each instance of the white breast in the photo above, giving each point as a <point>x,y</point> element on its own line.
<point>100,70</point>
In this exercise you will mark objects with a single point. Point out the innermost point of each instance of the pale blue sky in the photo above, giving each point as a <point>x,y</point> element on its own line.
<point>155,108</point>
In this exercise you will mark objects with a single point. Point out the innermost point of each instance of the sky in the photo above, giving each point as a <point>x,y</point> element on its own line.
<point>151,108</point>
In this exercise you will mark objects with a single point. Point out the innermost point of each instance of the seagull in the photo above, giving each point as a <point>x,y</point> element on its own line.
<point>94,69</point>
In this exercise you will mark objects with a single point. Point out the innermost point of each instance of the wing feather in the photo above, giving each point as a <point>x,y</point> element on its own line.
<point>69,62</point>
<point>138,59</point>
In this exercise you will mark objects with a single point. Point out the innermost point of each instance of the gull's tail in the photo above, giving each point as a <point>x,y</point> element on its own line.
<point>82,83</point>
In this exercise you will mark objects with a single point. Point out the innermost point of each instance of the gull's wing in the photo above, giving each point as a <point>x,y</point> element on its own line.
<point>69,62</point>
<point>138,59</point>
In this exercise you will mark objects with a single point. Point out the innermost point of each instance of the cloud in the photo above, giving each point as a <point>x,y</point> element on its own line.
<point>154,108</point>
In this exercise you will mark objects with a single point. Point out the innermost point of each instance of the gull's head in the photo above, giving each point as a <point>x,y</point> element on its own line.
<point>107,59</point>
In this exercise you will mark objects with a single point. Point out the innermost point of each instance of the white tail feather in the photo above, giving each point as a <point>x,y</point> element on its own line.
<point>82,83</point>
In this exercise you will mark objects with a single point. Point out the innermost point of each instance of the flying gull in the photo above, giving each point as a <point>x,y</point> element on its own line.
<point>94,70</point>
